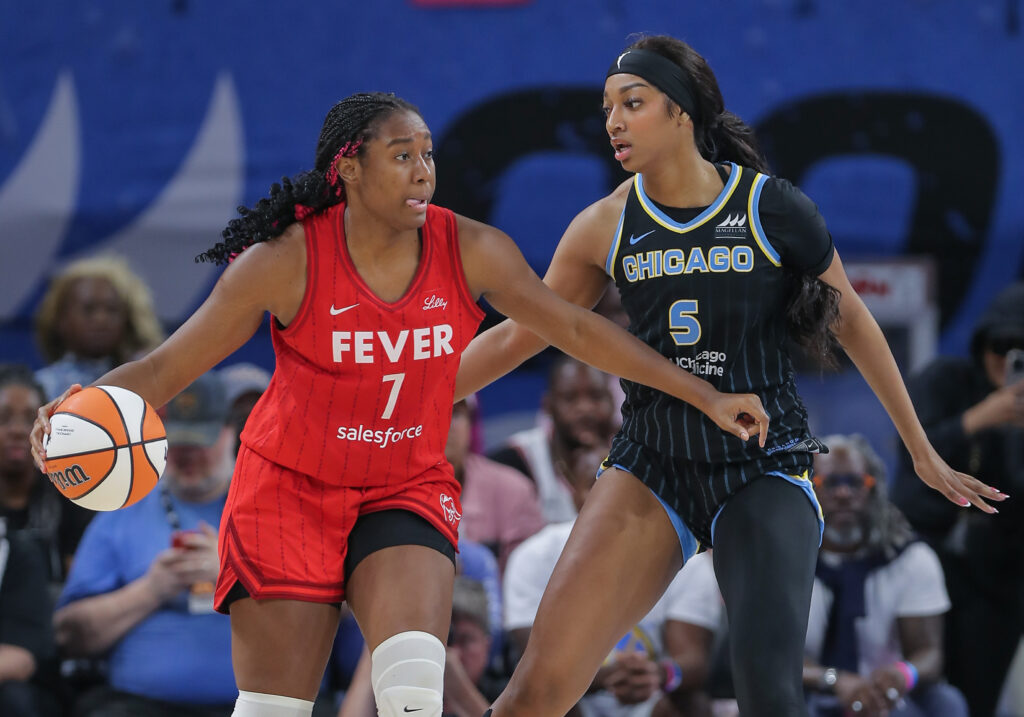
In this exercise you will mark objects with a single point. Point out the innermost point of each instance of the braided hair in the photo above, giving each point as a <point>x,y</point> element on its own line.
<point>812,309</point>
<point>347,127</point>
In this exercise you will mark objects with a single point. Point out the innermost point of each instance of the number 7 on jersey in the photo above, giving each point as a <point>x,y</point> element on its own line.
<point>396,386</point>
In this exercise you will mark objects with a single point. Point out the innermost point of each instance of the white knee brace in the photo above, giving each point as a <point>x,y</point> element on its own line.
<point>407,671</point>
<point>257,704</point>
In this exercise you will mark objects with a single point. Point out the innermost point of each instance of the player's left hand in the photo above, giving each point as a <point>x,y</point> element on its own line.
<point>960,488</point>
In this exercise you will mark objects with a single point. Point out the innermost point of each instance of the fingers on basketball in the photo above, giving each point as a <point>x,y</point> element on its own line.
<point>107,450</point>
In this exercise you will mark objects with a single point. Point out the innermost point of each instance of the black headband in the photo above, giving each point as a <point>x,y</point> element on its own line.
<point>660,71</point>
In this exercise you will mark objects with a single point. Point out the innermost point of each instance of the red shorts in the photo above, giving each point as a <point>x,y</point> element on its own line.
<point>285,534</point>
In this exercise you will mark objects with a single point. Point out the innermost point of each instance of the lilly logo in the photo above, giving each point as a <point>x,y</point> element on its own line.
<point>434,302</point>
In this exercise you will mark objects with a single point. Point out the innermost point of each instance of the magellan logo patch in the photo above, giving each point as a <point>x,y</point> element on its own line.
<point>733,225</point>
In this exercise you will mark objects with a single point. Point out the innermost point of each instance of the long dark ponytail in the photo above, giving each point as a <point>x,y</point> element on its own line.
<point>349,124</point>
<point>812,310</point>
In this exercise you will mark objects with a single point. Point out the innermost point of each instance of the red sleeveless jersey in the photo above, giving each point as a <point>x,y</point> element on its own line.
<point>362,392</point>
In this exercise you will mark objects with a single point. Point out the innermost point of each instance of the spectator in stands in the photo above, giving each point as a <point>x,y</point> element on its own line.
<point>499,504</point>
<point>975,419</point>
<point>580,410</point>
<point>478,563</point>
<point>695,628</point>
<point>632,679</point>
<point>468,687</point>
<point>141,585</point>
<point>27,500</point>
<point>348,668</point>
<point>244,383</point>
<point>95,315</point>
<point>26,638</point>
<point>874,638</point>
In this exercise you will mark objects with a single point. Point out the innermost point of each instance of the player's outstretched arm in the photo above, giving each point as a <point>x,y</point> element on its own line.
<point>496,269</point>
<point>269,276</point>
<point>863,341</point>
<point>575,274</point>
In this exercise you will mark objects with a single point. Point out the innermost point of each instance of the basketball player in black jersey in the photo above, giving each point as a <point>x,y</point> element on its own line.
<point>718,265</point>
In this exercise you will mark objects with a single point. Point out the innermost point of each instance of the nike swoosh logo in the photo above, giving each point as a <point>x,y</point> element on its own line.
<point>417,709</point>
<point>634,240</point>
<point>335,312</point>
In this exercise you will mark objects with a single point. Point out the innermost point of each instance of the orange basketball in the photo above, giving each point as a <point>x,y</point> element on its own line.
<point>107,448</point>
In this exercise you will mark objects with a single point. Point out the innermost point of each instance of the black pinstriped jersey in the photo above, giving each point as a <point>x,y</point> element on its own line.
<point>708,289</point>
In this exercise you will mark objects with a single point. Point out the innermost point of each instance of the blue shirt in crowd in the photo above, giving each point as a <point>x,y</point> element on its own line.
<point>172,654</point>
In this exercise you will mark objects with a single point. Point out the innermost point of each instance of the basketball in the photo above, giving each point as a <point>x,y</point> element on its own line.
<point>106,449</point>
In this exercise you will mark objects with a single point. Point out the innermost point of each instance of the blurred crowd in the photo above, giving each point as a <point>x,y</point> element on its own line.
<point>917,606</point>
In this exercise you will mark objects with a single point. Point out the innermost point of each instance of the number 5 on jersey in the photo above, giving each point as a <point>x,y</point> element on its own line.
<point>682,324</point>
<point>396,386</point>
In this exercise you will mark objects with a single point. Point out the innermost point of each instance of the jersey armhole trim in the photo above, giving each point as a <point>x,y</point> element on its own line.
<point>609,263</point>
<point>756,229</point>
<point>309,233</point>
<point>458,268</point>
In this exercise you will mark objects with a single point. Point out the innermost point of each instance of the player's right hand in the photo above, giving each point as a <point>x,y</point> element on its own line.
<point>740,414</point>
<point>41,427</point>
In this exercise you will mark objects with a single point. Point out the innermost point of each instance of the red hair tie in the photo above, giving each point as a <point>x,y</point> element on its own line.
<point>348,149</point>
<point>302,211</point>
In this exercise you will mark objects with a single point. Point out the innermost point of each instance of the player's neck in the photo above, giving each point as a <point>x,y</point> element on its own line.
<point>683,182</point>
<point>365,230</point>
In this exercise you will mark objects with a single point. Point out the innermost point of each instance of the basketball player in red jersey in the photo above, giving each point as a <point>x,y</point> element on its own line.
<point>341,489</point>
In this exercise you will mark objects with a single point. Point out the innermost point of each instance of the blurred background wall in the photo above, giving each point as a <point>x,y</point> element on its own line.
<point>138,127</point>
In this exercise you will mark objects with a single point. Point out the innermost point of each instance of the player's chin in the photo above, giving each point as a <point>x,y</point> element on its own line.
<point>413,218</point>
<point>630,160</point>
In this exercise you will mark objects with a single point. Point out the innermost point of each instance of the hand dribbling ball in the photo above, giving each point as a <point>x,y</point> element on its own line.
<point>106,449</point>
